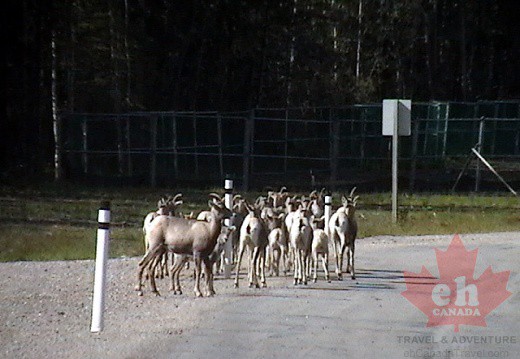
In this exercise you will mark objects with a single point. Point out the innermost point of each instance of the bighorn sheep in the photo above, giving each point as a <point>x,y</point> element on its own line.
<point>253,236</point>
<point>277,244</point>
<point>165,206</point>
<point>343,232</point>
<point>180,259</point>
<point>320,247</point>
<point>206,215</point>
<point>184,236</point>
<point>317,202</point>
<point>300,238</point>
<point>277,199</point>
<point>168,207</point>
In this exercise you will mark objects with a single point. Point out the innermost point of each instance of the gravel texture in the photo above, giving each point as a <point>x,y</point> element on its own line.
<point>45,307</point>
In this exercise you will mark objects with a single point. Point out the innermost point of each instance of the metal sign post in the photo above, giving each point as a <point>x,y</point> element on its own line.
<point>396,122</point>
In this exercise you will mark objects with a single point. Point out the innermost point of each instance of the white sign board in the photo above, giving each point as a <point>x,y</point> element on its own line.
<point>400,111</point>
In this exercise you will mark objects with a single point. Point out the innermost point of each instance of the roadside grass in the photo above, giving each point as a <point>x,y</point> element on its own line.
<point>53,222</point>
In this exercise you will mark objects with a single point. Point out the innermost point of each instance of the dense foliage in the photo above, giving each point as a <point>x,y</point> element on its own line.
<point>113,56</point>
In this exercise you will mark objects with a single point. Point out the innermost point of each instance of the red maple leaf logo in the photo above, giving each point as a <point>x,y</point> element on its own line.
<point>456,297</point>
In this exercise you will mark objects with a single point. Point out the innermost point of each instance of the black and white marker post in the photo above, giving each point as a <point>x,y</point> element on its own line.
<point>103,240</point>
<point>228,248</point>
<point>328,212</point>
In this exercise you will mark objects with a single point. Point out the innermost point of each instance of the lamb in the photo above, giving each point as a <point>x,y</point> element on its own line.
<point>320,247</point>
<point>343,232</point>
<point>184,236</point>
<point>181,259</point>
<point>253,236</point>
<point>317,202</point>
<point>300,238</point>
<point>277,244</point>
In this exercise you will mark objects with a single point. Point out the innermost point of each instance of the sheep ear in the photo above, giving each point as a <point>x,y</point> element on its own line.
<point>232,229</point>
<point>281,215</point>
<point>344,200</point>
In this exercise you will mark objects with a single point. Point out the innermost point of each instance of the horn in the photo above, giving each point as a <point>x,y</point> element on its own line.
<point>237,196</point>
<point>215,196</point>
<point>313,194</point>
<point>283,189</point>
<point>161,203</point>
<point>176,197</point>
<point>352,192</point>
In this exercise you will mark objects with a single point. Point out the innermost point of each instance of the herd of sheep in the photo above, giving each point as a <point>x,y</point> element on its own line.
<point>279,232</point>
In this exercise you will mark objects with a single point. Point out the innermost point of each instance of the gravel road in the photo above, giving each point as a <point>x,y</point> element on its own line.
<point>45,311</point>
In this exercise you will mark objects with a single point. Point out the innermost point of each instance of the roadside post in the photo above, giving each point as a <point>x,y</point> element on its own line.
<point>103,240</point>
<point>228,248</point>
<point>328,210</point>
<point>396,122</point>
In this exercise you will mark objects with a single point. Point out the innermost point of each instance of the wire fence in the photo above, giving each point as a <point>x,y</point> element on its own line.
<point>298,146</point>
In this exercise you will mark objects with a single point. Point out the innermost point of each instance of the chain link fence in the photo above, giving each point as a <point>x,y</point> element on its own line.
<point>300,147</point>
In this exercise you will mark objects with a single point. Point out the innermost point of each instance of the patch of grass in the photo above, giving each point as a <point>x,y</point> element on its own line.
<point>373,222</point>
<point>62,242</point>
<point>51,222</point>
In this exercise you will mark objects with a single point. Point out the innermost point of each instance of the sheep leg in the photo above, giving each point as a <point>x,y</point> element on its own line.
<point>143,263</point>
<point>208,272</point>
<point>349,267</point>
<point>305,266</point>
<point>262,268</point>
<point>336,257</point>
<point>198,268</point>
<point>276,261</point>
<point>271,263</point>
<point>352,248</point>
<point>298,264</point>
<point>153,286</point>
<point>325,260</point>
<point>254,263</point>
<point>315,266</point>
<point>175,274</point>
<point>239,261</point>
<point>283,258</point>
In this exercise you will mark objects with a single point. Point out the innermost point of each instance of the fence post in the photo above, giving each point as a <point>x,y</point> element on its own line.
<point>248,130</point>
<point>130,168</point>
<point>286,144</point>
<point>195,149</point>
<point>84,137</point>
<point>174,145</point>
<point>103,240</point>
<point>480,148</point>
<point>445,139</point>
<point>228,248</point>
<point>413,165</point>
<point>220,150</point>
<point>153,151</point>
<point>120,156</point>
<point>334,150</point>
